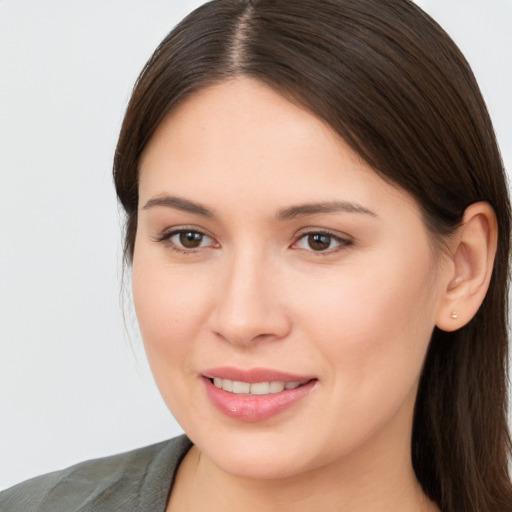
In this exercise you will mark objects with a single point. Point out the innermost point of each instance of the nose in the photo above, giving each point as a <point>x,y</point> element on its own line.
<point>249,306</point>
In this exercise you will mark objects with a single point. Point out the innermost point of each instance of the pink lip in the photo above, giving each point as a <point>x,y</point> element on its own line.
<point>254,375</point>
<point>253,408</point>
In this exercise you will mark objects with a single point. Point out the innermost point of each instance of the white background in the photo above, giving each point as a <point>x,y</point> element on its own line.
<point>74,383</point>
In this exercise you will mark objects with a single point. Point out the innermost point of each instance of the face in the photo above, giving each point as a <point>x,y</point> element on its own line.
<point>285,293</point>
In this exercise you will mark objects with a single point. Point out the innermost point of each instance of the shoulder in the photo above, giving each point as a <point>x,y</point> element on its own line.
<point>138,480</point>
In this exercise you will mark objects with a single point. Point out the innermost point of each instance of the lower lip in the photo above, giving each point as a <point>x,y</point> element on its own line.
<point>252,408</point>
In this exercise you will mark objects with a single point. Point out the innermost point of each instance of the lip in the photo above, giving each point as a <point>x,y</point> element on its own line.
<point>254,408</point>
<point>254,375</point>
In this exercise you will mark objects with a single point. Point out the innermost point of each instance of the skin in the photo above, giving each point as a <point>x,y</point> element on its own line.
<point>357,316</point>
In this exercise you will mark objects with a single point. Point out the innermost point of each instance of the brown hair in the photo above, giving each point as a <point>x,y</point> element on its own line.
<point>397,89</point>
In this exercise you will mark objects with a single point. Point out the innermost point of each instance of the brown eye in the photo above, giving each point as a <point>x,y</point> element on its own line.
<point>190,239</point>
<point>319,241</point>
<point>186,240</point>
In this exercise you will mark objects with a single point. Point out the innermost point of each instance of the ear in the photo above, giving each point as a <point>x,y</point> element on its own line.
<point>472,253</point>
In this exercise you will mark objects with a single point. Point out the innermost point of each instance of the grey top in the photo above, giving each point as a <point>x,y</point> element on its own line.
<point>136,481</point>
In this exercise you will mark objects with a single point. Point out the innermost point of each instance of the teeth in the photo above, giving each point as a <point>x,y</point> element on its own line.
<point>257,388</point>
<point>276,387</point>
<point>227,385</point>
<point>260,388</point>
<point>240,387</point>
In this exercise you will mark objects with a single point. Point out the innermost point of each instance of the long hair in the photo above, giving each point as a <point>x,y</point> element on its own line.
<point>396,88</point>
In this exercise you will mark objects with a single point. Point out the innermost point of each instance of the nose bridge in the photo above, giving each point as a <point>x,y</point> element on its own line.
<point>246,306</point>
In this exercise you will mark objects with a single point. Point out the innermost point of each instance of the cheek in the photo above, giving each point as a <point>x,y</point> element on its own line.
<point>167,299</point>
<point>382,310</point>
<point>171,310</point>
<point>375,324</point>
<point>373,329</point>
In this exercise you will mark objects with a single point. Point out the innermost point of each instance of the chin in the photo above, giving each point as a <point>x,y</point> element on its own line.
<point>257,464</point>
<point>260,455</point>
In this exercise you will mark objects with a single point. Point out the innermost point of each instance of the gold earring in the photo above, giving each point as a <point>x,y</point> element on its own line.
<point>454,315</point>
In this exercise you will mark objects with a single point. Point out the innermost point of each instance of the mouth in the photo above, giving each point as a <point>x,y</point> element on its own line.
<point>257,394</point>
<point>254,388</point>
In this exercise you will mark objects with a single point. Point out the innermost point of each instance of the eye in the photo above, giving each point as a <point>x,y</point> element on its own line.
<point>189,239</point>
<point>320,242</point>
<point>185,240</point>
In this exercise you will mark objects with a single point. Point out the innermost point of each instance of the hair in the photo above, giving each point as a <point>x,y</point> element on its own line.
<point>396,88</point>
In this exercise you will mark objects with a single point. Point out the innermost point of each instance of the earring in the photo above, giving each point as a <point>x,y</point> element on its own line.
<point>454,315</point>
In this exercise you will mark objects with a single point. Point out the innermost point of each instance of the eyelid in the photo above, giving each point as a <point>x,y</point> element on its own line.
<point>343,240</point>
<point>165,238</point>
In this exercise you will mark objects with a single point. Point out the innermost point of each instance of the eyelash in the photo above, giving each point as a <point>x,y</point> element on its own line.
<point>342,243</point>
<point>166,239</point>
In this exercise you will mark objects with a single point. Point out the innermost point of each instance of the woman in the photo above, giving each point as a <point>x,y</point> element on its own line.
<point>318,225</point>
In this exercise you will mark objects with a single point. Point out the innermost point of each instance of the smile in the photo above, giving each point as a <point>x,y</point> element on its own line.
<point>257,394</point>
<point>257,388</point>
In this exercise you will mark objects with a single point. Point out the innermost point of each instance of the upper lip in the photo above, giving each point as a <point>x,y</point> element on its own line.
<point>254,375</point>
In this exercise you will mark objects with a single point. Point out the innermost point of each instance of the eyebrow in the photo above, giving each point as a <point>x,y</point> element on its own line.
<point>178,203</point>
<point>325,207</point>
<point>293,212</point>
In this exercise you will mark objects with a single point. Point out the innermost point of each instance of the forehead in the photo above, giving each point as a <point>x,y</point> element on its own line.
<point>242,141</point>
<point>218,120</point>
